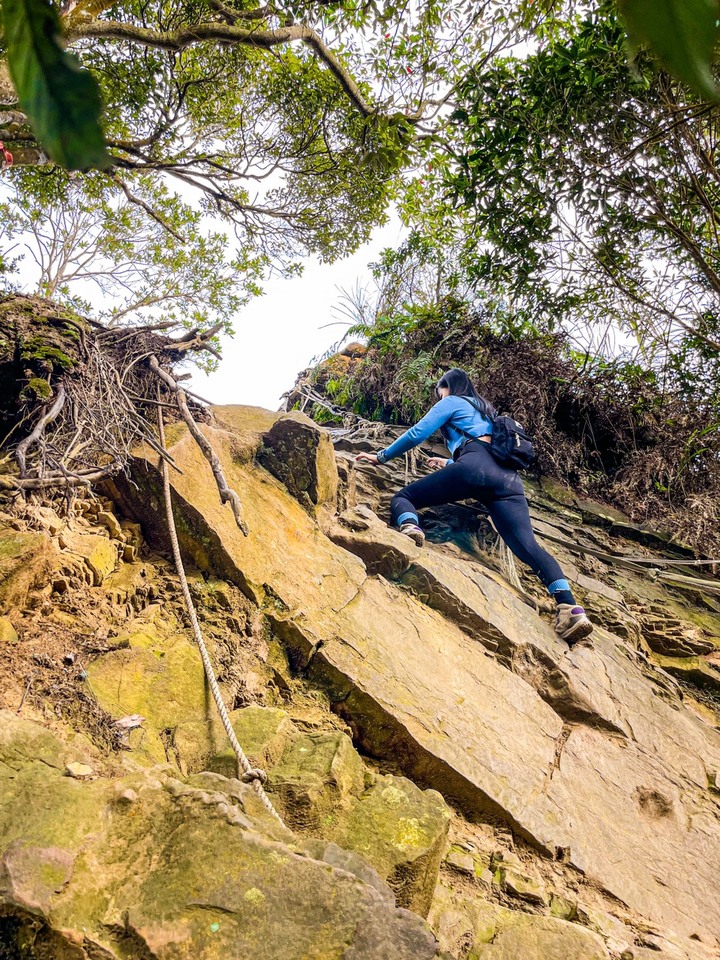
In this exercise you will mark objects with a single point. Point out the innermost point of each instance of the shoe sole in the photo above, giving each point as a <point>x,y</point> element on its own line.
<point>578,632</point>
<point>417,538</point>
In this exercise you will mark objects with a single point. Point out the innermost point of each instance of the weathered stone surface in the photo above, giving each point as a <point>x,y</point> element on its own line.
<point>162,679</point>
<point>286,564</point>
<point>262,732</point>
<point>415,686</point>
<point>317,773</point>
<point>695,670</point>
<point>588,754</point>
<point>546,937</point>
<point>245,426</point>
<point>8,633</point>
<point>25,560</point>
<point>481,930</point>
<point>188,871</point>
<point>401,831</point>
<point>300,454</point>
<point>99,553</point>
<point>383,550</point>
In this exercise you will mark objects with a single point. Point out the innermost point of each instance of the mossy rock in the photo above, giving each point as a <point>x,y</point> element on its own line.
<point>317,773</point>
<point>401,830</point>
<point>163,680</point>
<point>150,866</point>
<point>262,732</point>
<point>693,670</point>
<point>524,935</point>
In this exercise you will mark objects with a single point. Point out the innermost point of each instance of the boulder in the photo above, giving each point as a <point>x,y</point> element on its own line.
<point>26,558</point>
<point>401,831</point>
<point>167,869</point>
<point>99,553</point>
<point>300,455</point>
<point>317,773</point>
<point>262,732</point>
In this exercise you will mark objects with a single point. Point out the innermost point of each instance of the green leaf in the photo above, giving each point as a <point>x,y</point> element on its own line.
<point>681,34</point>
<point>62,101</point>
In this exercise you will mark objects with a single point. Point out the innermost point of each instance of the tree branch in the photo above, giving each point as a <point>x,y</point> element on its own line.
<point>225,33</point>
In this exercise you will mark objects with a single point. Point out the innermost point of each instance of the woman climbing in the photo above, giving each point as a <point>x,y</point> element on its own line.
<point>465,420</point>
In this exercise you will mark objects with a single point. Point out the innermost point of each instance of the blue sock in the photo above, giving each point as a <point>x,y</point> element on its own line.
<point>408,518</point>
<point>560,591</point>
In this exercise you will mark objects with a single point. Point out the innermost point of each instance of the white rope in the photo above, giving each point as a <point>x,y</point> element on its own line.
<point>250,774</point>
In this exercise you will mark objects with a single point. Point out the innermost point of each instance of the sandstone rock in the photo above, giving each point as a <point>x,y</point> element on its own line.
<point>162,679</point>
<point>694,670</point>
<point>78,770</point>
<point>25,560</point>
<point>246,427</point>
<point>587,754</point>
<point>111,523</point>
<point>463,862</point>
<point>285,565</point>
<point>562,908</point>
<point>99,553</point>
<point>8,633</point>
<point>401,831</point>
<point>262,732</point>
<point>192,869</point>
<point>300,454</point>
<point>316,773</point>
<point>529,936</point>
<point>519,885</point>
<point>384,551</point>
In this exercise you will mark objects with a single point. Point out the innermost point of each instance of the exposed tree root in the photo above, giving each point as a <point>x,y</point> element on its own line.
<point>77,397</point>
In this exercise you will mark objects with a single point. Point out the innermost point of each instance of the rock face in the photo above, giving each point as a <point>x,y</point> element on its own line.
<point>581,752</point>
<point>585,781</point>
<point>214,881</point>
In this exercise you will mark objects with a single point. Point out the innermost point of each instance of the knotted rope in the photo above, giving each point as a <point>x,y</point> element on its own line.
<point>250,774</point>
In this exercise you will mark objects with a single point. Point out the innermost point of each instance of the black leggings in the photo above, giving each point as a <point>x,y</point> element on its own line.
<point>476,474</point>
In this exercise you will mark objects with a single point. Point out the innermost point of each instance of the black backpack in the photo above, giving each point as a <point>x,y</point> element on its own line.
<point>510,445</point>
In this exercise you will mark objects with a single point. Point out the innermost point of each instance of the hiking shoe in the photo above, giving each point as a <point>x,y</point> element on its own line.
<point>571,623</point>
<point>413,531</point>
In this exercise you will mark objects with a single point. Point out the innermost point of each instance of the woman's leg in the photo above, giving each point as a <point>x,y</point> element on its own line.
<point>511,517</point>
<point>451,483</point>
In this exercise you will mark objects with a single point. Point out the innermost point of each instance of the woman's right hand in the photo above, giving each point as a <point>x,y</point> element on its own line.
<point>435,463</point>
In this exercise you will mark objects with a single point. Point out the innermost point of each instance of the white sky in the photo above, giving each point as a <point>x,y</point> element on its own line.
<point>277,335</point>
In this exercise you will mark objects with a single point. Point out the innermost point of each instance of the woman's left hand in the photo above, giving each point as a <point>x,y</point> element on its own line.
<point>370,457</point>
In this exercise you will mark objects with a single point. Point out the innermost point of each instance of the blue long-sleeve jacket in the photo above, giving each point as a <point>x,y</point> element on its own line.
<point>450,412</point>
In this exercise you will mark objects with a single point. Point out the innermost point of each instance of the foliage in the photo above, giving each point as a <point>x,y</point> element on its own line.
<point>681,33</point>
<point>81,242</point>
<point>593,190</point>
<point>61,100</point>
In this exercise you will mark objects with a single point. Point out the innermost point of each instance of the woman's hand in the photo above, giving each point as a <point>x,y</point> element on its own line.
<point>435,463</point>
<point>370,457</point>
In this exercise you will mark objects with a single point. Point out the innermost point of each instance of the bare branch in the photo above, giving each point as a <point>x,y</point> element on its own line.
<point>226,494</point>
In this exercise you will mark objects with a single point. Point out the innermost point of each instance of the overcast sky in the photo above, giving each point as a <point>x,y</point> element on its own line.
<point>278,334</point>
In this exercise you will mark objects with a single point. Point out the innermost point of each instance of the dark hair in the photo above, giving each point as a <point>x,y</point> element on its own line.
<point>460,385</point>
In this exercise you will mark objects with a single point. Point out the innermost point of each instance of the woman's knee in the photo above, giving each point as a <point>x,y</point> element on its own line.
<point>402,495</point>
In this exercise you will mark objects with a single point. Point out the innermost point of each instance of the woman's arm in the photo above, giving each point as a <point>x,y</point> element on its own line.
<point>436,417</point>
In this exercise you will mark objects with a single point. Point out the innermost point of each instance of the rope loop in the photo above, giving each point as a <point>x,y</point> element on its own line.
<point>255,773</point>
